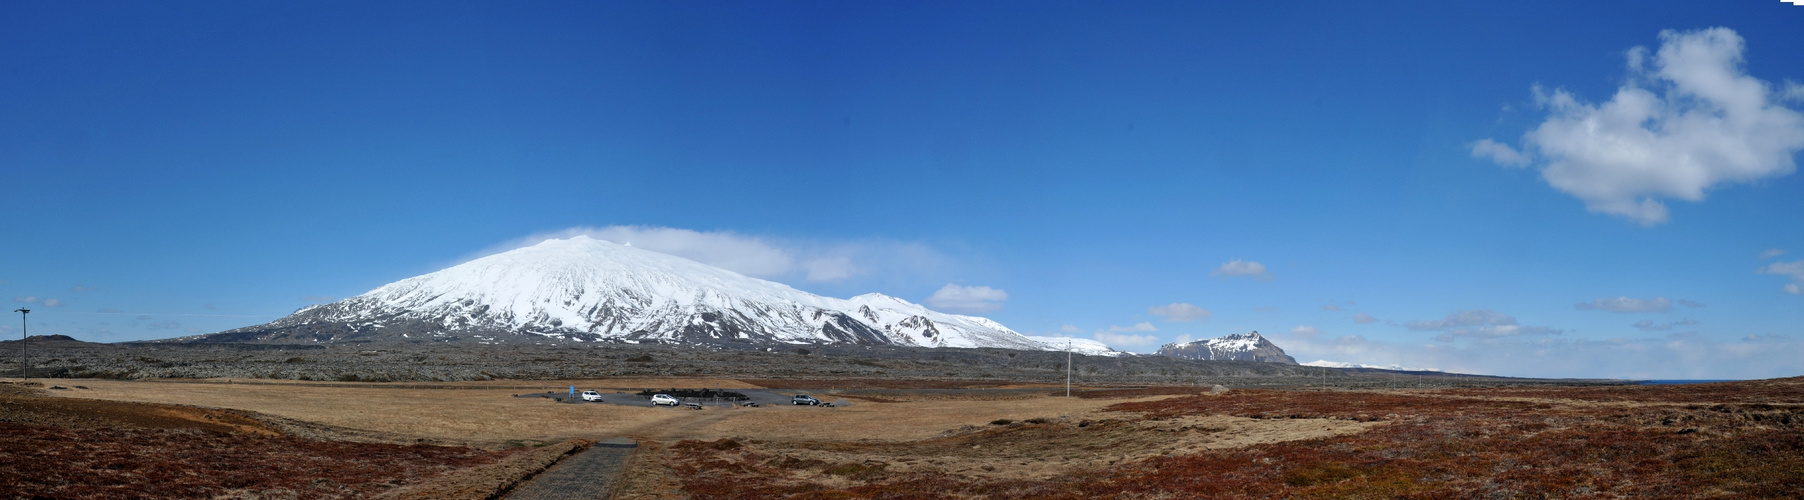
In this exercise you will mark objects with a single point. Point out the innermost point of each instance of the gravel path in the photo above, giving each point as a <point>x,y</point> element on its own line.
<point>588,475</point>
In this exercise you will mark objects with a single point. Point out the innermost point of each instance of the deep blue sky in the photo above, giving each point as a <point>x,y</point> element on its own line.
<point>201,166</point>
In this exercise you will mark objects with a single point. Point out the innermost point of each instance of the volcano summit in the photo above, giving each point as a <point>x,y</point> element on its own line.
<point>588,290</point>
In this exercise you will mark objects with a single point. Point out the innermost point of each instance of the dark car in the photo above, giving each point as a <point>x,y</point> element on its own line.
<point>804,399</point>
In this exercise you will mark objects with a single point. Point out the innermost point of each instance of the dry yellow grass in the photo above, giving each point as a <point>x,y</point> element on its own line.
<point>904,421</point>
<point>463,413</point>
<point>484,414</point>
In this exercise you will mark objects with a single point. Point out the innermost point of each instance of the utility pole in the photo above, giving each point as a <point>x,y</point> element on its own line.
<point>24,352</point>
<point>1067,368</point>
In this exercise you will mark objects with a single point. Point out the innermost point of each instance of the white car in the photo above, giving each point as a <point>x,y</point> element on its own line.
<point>591,396</point>
<point>664,399</point>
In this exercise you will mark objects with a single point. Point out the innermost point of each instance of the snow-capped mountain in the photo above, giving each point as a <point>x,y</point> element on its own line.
<point>585,290</point>
<point>1342,364</point>
<point>1240,347</point>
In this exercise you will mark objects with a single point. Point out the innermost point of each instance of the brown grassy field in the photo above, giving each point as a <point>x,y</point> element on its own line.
<point>1732,440</point>
<point>478,415</point>
<point>954,440</point>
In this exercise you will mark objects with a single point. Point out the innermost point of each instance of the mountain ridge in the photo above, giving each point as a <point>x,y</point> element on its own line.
<point>582,289</point>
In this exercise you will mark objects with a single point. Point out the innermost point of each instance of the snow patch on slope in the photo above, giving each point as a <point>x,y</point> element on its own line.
<point>1087,347</point>
<point>1341,364</point>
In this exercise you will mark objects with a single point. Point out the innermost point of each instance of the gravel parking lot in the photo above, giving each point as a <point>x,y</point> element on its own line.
<point>759,397</point>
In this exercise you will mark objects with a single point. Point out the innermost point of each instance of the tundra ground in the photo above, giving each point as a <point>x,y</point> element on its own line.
<point>934,439</point>
<point>1729,440</point>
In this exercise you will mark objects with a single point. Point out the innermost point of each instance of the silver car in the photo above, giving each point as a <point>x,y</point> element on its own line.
<point>665,399</point>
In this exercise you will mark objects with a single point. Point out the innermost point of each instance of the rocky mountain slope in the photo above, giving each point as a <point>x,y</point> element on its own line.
<point>588,290</point>
<point>1237,347</point>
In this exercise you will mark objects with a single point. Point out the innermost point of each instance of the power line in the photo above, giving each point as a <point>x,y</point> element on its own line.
<point>24,349</point>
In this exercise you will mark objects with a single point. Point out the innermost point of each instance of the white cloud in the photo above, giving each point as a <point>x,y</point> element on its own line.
<point>1463,318</point>
<point>1330,307</point>
<point>762,257</point>
<point>746,255</point>
<point>830,268</point>
<point>1182,338</point>
<point>967,299</point>
<point>1770,253</point>
<point>1793,269</point>
<point>1364,319</point>
<point>1138,327</point>
<point>1500,153</point>
<point>53,303</point>
<point>1627,305</point>
<point>82,288</point>
<point>1070,329</point>
<point>1647,325</point>
<point>1478,324</point>
<point>26,299</point>
<point>1305,332</point>
<point>1687,121</point>
<point>1180,312</point>
<point>1125,340</point>
<point>1794,91</point>
<point>1239,267</point>
<point>1693,304</point>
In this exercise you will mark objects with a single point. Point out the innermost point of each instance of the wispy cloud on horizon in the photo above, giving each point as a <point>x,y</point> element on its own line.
<point>1660,357</point>
<point>1180,312</point>
<point>1245,268</point>
<point>1626,305</point>
<point>1478,324</point>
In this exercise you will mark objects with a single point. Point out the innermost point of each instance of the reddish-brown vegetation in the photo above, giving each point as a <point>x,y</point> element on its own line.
<point>1774,391</point>
<point>40,461</point>
<point>54,447</point>
<point>1741,440</point>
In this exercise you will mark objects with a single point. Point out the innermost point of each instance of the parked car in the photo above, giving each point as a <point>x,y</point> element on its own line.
<point>591,396</point>
<point>665,399</point>
<point>804,399</point>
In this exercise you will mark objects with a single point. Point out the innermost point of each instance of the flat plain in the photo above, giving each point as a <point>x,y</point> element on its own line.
<point>920,439</point>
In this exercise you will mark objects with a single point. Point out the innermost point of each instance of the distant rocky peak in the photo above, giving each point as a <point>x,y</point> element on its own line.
<point>1248,346</point>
